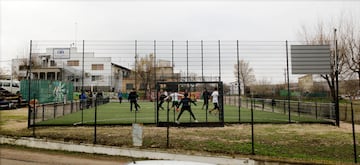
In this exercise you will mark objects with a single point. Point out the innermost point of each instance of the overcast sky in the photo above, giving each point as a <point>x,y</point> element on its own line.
<point>259,20</point>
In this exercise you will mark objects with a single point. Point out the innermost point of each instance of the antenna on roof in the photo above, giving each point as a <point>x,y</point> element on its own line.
<point>74,44</point>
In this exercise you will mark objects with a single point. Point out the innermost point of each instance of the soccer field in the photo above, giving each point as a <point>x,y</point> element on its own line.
<point>116,113</point>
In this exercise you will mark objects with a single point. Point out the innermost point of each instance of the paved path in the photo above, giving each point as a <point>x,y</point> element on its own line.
<point>115,151</point>
<point>15,156</point>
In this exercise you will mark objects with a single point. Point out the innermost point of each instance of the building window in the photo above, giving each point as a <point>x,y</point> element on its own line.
<point>73,63</point>
<point>125,74</point>
<point>23,67</point>
<point>129,86</point>
<point>51,76</point>
<point>142,86</point>
<point>97,66</point>
<point>52,63</point>
<point>96,78</point>
<point>6,84</point>
<point>73,78</point>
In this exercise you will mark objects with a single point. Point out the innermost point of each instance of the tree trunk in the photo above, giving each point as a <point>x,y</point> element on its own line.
<point>358,81</point>
<point>330,81</point>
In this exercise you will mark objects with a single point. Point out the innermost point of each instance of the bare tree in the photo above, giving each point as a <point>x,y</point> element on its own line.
<point>262,88</point>
<point>325,35</point>
<point>145,69</point>
<point>351,88</point>
<point>245,72</point>
<point>24,66</point>
<point>351,40</point>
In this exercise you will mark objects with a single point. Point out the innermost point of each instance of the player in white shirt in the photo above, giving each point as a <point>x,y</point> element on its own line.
<point>215,100</point>
<point>175,98</point>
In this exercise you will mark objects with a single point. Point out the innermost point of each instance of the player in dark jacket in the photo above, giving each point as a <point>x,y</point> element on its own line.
<point>206,95</point>
<point>186,105</point>
<point>133,96</point>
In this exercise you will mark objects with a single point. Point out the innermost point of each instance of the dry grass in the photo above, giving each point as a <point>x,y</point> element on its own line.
<point>315,143</point>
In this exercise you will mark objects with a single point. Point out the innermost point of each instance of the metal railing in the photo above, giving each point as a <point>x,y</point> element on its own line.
<point>48,111</point>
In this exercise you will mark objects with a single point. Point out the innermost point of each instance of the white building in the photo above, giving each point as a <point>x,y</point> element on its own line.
<point>68,64</point>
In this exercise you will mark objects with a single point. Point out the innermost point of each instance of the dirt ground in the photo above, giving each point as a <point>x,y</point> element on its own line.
<point>14,124</point>
<point>17,156</point>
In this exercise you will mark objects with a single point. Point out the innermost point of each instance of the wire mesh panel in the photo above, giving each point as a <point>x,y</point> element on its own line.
<point>248,69</point>
<point>90,61</point>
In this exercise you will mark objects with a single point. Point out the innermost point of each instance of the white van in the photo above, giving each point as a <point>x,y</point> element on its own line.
<point>12,86</point>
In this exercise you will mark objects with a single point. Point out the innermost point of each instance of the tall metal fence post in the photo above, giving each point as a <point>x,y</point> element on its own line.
<point>154,64</point>
<point>34,117</point>
<point>63,109</point>
<point>337,111</point>
<point>167,125</point>
<point>71,106</point>
<point>29,86</point>
<point>55,109</point>
<point>95,119</point>
<point>316,111</point>
<point>82,104</point>
<point>284,107</point>
<point>187,60</point>
<point>238,78</point>
<point>219,61</point>
<point>288,77</point>
<point>298,108</point>
<point>43,112</point>
<point>252,127</point>
<point>353,131</point>
<point>157,107</point>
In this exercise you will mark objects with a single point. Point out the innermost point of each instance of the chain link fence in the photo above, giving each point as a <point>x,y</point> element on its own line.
<point>260,70</point>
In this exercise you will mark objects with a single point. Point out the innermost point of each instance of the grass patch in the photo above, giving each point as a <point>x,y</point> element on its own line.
<point>115,113</point>
<point>301,143</point>
<point>12,116</point>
